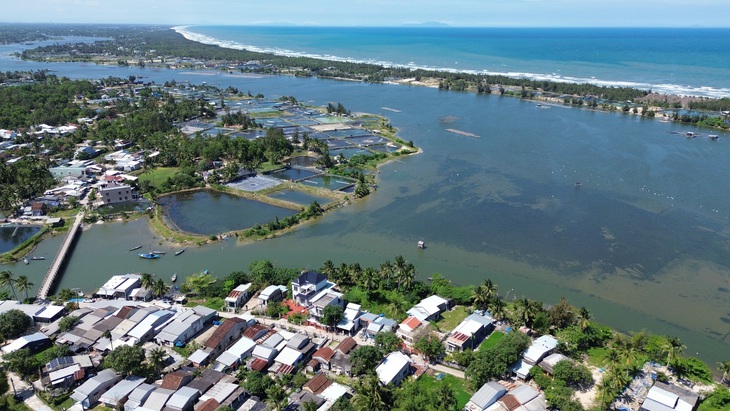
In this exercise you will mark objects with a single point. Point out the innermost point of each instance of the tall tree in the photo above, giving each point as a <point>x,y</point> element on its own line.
<point>126,359</point>
<point>147,280</point>
<point>156,358</point>
<point>7,280</point>
<point>23,284</point>
<point>370,395</point>
<point>673,347</point>
<point>276,395</point>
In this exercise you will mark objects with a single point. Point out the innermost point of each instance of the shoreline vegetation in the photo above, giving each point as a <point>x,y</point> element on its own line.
<point>170,49</point>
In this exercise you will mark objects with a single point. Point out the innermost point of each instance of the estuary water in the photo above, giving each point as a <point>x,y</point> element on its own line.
<point>643,242</point>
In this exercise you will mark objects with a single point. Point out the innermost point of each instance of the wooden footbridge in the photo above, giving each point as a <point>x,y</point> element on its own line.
<point>60,258</point>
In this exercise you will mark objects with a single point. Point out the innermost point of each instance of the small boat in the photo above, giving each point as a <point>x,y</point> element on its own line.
<point>713,137</point>
<point>174,278</point>
<point>180,251</point>
<point>149,256</point>
<point>157,252</point>
<point>205,271</point>
<point>38,258</point>
<point>137,247</point>
<point>25,260</point>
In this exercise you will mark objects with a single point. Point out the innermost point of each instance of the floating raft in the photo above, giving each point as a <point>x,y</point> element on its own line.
<point>462,133</point>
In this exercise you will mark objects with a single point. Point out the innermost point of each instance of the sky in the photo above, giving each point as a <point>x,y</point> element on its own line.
<point>457,13</point>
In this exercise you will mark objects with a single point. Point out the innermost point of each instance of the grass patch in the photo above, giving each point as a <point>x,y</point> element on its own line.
<point>158,175</point>
<point>214,303</point>
<point>597,356</point>
<point>452,318</point>
<point>430,382</point>
<point>492,340</point>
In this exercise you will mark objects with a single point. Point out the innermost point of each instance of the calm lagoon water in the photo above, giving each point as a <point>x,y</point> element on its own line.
<point>212,212</point>
<point>643,243</point>
<point>12,236</point>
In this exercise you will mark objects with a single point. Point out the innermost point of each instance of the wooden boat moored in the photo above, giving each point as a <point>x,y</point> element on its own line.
<point>137,247</point>
<point>149,256</point>
<point>174,278</point>
<point>180,251</point>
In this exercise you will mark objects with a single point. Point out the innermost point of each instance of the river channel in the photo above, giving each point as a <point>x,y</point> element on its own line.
<point>642,241</point>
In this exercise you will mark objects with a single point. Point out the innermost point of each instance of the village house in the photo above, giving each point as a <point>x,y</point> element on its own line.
<point>115,193</point>
<point>231,358</point>
<point>394,368</point>
<point>119,393</point>
<point>35,342</point>
<point>340,363</point>
<point>539,348</point>
<point>138,396</point>
<point>224,336</point>
<point>350,322</point>
<point>307,285</point>
<point>88,393</point>
<point>157,399</point>
<point>119,286</point>
<point>185,326</point>
<point>272,293</point>
<point>411,329</point>
<point>668,397</point>
<point>63,372</point>
<point>182,400</point>
<point>470,332</point>
<point>238,297</point>
<point>429,309</point>
<point>487,395</point>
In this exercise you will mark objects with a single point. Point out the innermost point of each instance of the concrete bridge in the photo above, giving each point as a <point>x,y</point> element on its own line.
<point>60,258</point>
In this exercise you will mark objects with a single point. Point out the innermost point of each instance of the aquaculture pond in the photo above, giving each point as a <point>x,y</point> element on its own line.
<point>293,174</point>
<point>349,152</point>
<point>303,161</point>
<point>213,212</point>
<point>12,235</point>
<point>299,197</point>
<point>328,182</point>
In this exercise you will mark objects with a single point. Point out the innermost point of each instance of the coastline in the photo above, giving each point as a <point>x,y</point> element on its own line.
<point>660,86</point>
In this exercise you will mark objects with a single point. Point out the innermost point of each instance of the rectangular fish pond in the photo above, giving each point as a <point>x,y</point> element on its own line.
<point>292,174</point>
<point>299,197</point>
<point>333,183</point>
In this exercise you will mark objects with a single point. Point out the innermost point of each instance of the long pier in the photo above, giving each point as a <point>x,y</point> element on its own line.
<point>58,261</point>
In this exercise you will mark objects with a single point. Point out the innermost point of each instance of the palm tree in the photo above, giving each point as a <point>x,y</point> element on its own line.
<point>156,358</point>
<point>147,281</point>
<point>674,348</point>
<point>483,294</point>
<point>23,284</point>
<point>7,280</point>
<point>404,273</point>
<point>108,334</point>
<point>159,288</point>
<point>369,280</point>
<point>497,308</point>
<point>386,274</point>
<point>370,395</point>
<point>725,368</point>
<point>527,310</point>
<point>310,406</point>
<point>584,318</point>
<point>328,269</point>
<point>612,360</point>
<point>276,395</point>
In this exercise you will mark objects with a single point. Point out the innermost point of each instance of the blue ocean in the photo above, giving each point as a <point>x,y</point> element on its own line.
<point>684,61</point>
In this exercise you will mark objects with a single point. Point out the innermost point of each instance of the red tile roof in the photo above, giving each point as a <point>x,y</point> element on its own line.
<point>234,294</point>
<point>259,365</point>
<point>346,345</point>
<point>222,331</point>
<point>411,322</point>
<point>174,380</point>
<point>286,369</point>
<point>510,402</point>
<point>210,404</point>
<point>318,384</point>
<point>254,330</point>
<point>324,353</point>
